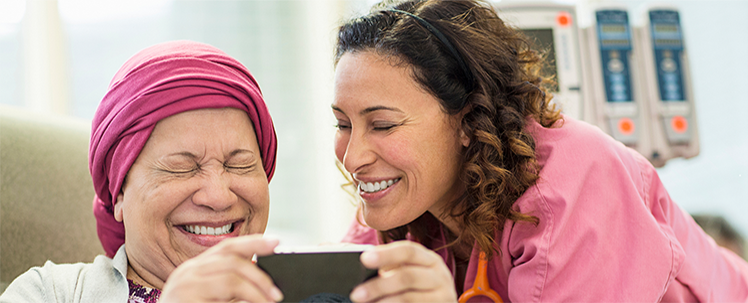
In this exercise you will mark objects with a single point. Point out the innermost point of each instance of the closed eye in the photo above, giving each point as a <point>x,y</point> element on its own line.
<point>180,164</point>
<point>342,126</point>
<point>239,169</point>
<point>385,126</point>
<point>181,172</point>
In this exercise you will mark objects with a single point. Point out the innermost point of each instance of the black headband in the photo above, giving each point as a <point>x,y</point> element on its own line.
<point>445,41</point>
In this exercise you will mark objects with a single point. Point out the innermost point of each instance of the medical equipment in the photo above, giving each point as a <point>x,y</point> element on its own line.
<point>480,285</point>
<point>554,29</point>
<point>668,85</point>
<point>615,79</point>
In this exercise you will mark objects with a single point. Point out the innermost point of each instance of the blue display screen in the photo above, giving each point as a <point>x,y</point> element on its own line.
<point>614,37</point>
<point>667,41</point>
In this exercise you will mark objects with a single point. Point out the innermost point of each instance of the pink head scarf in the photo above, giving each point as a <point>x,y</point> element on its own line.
<point>158,82</point>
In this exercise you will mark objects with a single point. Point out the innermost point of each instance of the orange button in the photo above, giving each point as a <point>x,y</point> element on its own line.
<point>563,19</point>
<point>626,126</point>
<point>679,124</point>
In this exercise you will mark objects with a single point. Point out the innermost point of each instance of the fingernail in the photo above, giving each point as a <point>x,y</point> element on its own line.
<point>369,257</point>
<point>276,294</point>
<point>358,294</point>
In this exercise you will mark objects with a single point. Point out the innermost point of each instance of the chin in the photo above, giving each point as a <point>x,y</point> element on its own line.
<point>383,225</point>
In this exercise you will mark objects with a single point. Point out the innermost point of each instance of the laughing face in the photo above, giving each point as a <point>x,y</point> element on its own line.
<point>402,149</point>
<point>198,180</point>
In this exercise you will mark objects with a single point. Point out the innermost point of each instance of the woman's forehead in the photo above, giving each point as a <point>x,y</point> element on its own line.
<point>205,128</point>
<point>371,78</point>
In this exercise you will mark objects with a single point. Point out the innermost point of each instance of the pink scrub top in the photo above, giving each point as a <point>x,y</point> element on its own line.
<point>608,232</point>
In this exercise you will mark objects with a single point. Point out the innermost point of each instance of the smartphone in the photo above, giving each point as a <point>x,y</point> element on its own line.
<point>315,274</point>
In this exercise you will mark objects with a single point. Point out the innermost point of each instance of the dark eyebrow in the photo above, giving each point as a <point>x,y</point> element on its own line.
<point>335,108</point>
<point>370,109</point>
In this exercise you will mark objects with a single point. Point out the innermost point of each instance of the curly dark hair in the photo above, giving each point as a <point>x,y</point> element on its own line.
<point>504,87</point>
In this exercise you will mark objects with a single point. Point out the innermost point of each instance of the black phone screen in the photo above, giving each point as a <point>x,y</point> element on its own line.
<point>315,276</point>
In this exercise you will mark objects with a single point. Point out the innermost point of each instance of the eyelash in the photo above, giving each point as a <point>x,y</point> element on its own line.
<point>379,128</point>
<point>341,127</point>
<point>241,169</point>
<point>386,128</point>
<point>183,172</point>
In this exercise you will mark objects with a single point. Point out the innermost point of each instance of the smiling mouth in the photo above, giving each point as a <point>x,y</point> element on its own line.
<point>210,231</point>
<point>372,187</point>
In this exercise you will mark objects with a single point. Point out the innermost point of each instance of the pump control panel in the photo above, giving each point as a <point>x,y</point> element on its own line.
<point>667,75</point>
<point>615,89</point>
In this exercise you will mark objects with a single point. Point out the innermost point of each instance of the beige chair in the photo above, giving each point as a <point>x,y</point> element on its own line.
<point>45,192</point>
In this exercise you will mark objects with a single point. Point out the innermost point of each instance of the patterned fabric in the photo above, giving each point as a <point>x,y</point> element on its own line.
<point>142,294</point>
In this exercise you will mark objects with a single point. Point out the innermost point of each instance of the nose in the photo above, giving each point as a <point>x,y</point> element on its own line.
<point>358,153</point>
<point>215,191</point>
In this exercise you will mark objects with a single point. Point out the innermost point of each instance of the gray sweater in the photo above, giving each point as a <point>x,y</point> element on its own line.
<point>104,280</point>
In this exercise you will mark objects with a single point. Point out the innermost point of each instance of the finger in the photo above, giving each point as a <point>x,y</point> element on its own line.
<point>222,264</point>
<point>249,272</point>
<point>245,246</point>
<point>398,254</point>
<point>261,280</point>
<point>402,280</point>
<point>216,264</point>
<point>235,287</point>
<point>221,287</point>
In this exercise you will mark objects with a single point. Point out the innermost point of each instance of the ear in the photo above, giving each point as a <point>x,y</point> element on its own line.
<point>118,208</point>
<point>464,139</point>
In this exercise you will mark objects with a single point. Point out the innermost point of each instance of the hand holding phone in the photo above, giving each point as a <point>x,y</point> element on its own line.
<point>224,272</point>
<point>407,272</point>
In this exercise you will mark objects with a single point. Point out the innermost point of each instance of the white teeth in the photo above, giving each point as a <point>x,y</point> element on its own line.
<point>212,231</point>
<point>376,186</point>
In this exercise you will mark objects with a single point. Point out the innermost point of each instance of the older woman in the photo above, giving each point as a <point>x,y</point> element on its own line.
<point>182,150</point>
<point>448,135</point>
